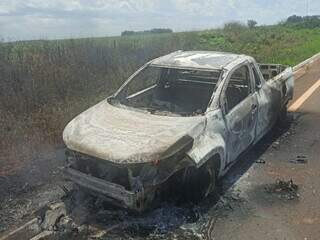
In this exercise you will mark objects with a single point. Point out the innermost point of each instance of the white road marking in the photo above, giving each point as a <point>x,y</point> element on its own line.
<point>298,103</point>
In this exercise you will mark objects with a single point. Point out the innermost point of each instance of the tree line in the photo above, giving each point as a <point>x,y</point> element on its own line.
<point>154,30</point>
<point>303,22</point>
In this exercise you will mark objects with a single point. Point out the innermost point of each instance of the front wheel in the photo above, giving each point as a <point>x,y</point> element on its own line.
<point>199,183</point>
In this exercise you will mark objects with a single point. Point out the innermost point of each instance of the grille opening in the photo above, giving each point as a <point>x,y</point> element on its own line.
<point>102,169</point>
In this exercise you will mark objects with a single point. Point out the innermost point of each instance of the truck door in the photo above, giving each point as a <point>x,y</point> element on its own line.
<point>269,100</point>
<point>240,106</point>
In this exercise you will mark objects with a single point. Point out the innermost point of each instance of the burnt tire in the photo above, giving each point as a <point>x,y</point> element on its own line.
<point>148,202</point>
<point>197,184</point>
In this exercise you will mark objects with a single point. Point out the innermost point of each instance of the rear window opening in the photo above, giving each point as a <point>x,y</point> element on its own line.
<point>168,91</point>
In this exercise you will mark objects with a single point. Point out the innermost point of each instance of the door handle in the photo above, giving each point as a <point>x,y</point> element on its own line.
<point>236,127</point>
<point>254,107</point>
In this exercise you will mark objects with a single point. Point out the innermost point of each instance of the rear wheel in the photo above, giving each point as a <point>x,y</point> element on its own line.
<point>283,116</point>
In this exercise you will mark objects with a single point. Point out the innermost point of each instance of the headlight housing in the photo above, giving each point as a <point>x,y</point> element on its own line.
<point>171,161</point>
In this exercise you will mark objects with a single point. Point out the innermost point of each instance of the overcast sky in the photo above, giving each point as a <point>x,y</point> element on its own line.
<point>50,19</point>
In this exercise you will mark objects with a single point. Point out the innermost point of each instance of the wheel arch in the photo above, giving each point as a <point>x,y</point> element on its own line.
<point>216,161</point>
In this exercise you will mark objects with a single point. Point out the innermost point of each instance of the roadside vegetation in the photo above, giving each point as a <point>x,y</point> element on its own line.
<point>44,84</point>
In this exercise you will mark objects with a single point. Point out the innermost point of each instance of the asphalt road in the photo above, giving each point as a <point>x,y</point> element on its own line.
<point>262,214</point>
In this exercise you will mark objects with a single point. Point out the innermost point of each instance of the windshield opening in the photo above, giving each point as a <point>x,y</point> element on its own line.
<point>168,91</point>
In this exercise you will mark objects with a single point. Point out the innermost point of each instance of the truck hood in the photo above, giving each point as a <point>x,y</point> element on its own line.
<point>125,136</point>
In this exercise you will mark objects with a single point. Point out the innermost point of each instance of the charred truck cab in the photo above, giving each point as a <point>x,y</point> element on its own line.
<point>185,117</point>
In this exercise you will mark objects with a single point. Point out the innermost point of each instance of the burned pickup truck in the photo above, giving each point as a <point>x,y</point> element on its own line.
<point>181,121</point>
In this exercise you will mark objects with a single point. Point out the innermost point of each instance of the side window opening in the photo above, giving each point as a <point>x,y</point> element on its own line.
<point>238,88</point>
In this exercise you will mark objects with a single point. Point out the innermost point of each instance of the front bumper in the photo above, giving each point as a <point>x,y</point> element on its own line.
<point>114,193</point>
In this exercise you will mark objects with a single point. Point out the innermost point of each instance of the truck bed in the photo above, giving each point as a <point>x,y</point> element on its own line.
<point>269,71</point>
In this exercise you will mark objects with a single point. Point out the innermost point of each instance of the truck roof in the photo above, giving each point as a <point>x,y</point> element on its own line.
<point>198,59</point>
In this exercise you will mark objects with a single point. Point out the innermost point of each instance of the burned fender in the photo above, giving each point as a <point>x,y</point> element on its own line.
<point>206,147</point>
<point>171,161</point>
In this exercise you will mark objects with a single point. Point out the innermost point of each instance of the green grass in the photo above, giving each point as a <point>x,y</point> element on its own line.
<point>274,44</point>
<point>44,84</point>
